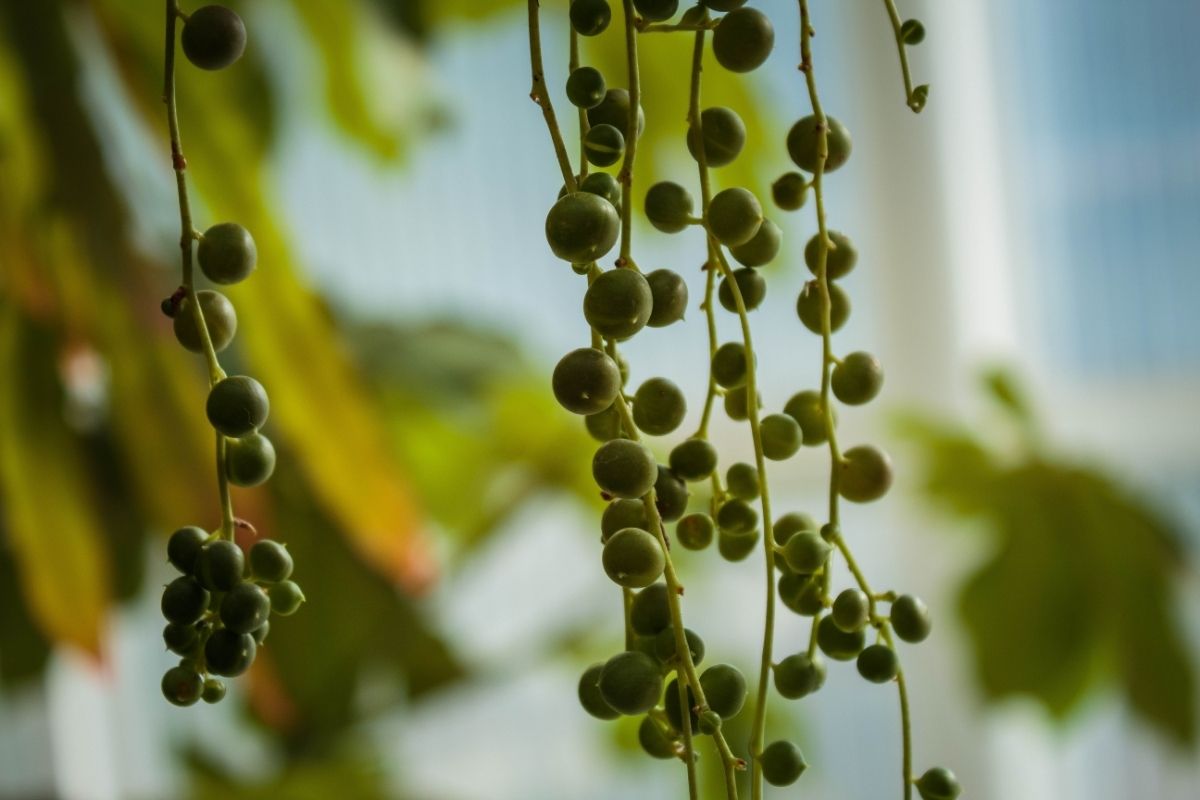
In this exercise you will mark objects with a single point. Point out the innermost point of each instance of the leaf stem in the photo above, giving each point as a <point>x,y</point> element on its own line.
<point>631,137</point>
<point>541,96</point>
<point>910,98</point>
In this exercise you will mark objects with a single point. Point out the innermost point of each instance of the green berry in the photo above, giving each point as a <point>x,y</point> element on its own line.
<point>672,707</point>
<point>808,307</point>
<point>782,763</point>
<point>670,495</point>
<point>227,253</point>
<point>656,10</point>
<point>604,425</point>
<point>245,608</point>
<point>182,686</point>
<point>585,87</point>
<point>734,216</point>
<point>724,689</point>
<point>590,17</point>
<point>806,552</point>
<point>213,37</point>
<point>737,516</point>
<point>270,561</point>
<point>709,722</point>
<point>582,227</point>
<point>910,619</point>
<point>803,142</point>
<point>837,643</point>
<point>221,565</point>
<point>670,297</point>
<point>260,633</point>
<point>654,740</point>
<point>603,185</point>
<point>878,663</point>
<point>743,39</point>
<point>286,597</point>
<point>695,531</point>
<point>184,601</point>
<point>183,548</point>
<point>839,259</point>
<point>808,411</point>
<point>228,653</point>
<point>220,319</point>
<point>604,145</point>
<point>751,286</point>
<point>693,459</point>
<point>781,436</point>
<point>250,460</point>
<point>586,381</point>
<point>669,206</point>
<point>622,514</point>
<point>736,546</point>
<point>938,783</point>
<point>624,468</point>
<point>912,31</point>
<point>729,365</point>
<point>857,379</point>
<point>180,639</point>
<point>665,646</point>
<point>762,248</point>
<point>741,480</point>
<point>723,135</point>
<point>736,406</point>
<point>790,191</point>
<point>618,303</point>
<point>851,610</point>
<point>237,405</point>
<point>865,474</point>
<point>213,692</point>
<point>799,676</point>
<point>631,682</point>
<point>633,558</point>
<point>789,525</point>
<point>658,407</point>
<point>589,694</point>
<point>650,611</point>
<point>614,110</point>
<point>802,594</point>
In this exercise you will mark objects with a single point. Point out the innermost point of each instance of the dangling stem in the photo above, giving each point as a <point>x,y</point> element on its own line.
<point>913,102</point>
<point>631,137</point>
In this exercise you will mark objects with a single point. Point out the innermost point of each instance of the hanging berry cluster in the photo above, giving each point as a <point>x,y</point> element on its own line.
<point>217,611</point>
<point>595,211</point>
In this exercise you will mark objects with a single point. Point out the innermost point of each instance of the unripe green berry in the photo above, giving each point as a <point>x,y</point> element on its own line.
<point>762,248</point>
<point>604,426</point>
<point>656,10</point>
<point>851,610</point>
<point>670,297</point>
<point>724,136</point>
<point>938,783</point>
<point>213,692</point>
<point>809,309</point>
<point>654,740</point>
<point>666,648</point>
<point>789,525</point>
<point>782,763</point>
<point>857,379</point>
<point>912,31</point>
<point>670,495</point>
<point>669,206</point>
<point>585,87</point>
<point>724,689</point>
<point>737,516</point>
<point>695,531</point>
<point>618,303</point>
<point>741,481</point>
<point>735,403</point>
<point>589,694</point>
<point>781,436</point>
<point>709,722</point>
<point>614,110</point>
<point>237,405</point>
<point>735,547</point>
<point>260,633</point>
<point>650,611</point>
<point>586,381</point>
<point>839,259</point>
<point>734,216</point>
<point>244,608</point>
<point>270,561</point>
<point>633,558</point>
<point>622,514</point>
<point>183,548</point>
<point>286,597</point>
<point>878,663</point>
<point>582,227</point>
<point>631,682</point>
<point>799,676</point>
<point>803,143</point>
<point>213,37</point>
<point>671,705</point>
<point>743,39</point>
<point>837,643</point>
<point>693,459</point>
<point>730,365</point>
<point>658,407</point>
<point>790,191</point>
<point>603,185</point>
<point>182,686</point>
<point>227,253</point>
<point>802,594</point>
<point>590,17</point>
<point>910,619</point>
<point>624,468</point>
<point>180,639</point>
<point>220,319</point>
<point>865,474</point>
<point>228,653</point>
<point>806,552</point>
<point>808,411</point>
<point>220,565</point>
<point>751,286</point>
<point>184,601</point>
<point>604,145</point>
<point>250,460</point>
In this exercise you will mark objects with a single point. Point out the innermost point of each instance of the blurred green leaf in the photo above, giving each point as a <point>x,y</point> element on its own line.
<point>311,779</point>
<point>23,649</point>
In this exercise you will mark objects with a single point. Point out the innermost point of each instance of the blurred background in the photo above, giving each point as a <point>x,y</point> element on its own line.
<point>1028,274</point>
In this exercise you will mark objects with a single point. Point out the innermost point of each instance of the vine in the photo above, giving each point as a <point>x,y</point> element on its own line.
<point>218,610</point>
<point>594,213</point>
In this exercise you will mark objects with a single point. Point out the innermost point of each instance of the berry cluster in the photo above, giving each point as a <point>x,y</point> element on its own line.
<point>217,613</point>
<point>656,674</point>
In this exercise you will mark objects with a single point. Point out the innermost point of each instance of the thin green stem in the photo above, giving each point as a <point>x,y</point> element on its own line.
<point>631,136</point>
<point>539,94</point>
<point>906,773</point>
<point>688,748</point>
<point>910,98</point>
<point>573,65</point>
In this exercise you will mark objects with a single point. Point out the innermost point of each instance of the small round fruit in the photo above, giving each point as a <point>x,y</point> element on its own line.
<point>665,645</point>
<point>910,619</point>
<point>851,610</point>
<point>622,514</point>
<point>857,379</point>
<point>695,531</point>
<point>693,459</point>
<point>723,134</point>
<point>237,405</point>
<point>631,682</point>
<point>790,191</point>
<point>589,694</point>
<point>221,565</point>
<point>614,110</point>
<point>656,10</point>
<point>650,612</point>
<point>802,594</point>
<point>670,495</point>
<point>741,480</point>
<point>799,676</point>
<point>669,206</point>
<point>582,227</point>
<point>865,474</point>
<point>736,546</point>
<point>604,425</point>
<point>736,406</point>
<point>878,663</point>
<point>270,561</point>
<point>586,381</point>
<point>789,525</point>
<point>654,740</point>
<point>183,548</point>
<point>762,249</point>
<point>658,407</point>
<point>729,365</point>
<point>229,654</point>
<point>227,253</point>
<point>590,17</point>
<point>632,558</point>
<point>938,783</point>
<point>737,516</point>
<point>213,37</point>
<point>670,297</point>
<point>837,643</point>
<point>808,307</point>
<point>260,633</point>
<point>671,704</point>
<point>782,763</point>
<point>839,260</point>
<point>604,145</point>
<point>734,216</point>
<point>743,39</point>
<point>781,436</point>
<point>585,87</point>
<point>618,303</point>
<point>724,689</point>
<point>806,552</point>
<point>624,468</point>
<point>250,460</point>
<point>803,143</point>
<point>182,686</point>
<point>808,411</point>
<point>213,692</point>
<point>180,639</point>
<point>603,185</point>
<point>184,601</point>
<point>244,608</point>
<point>286,597</point>
<point>751,286</point>
<point>912,31</point>
<point>220,319</point>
